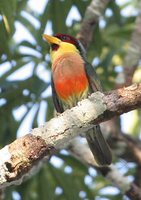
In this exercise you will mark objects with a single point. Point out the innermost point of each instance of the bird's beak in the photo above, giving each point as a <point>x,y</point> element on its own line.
<point>51,39</point>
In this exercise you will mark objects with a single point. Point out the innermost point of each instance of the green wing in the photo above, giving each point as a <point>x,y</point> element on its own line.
<point>57,103</point>
<point>94,82</point>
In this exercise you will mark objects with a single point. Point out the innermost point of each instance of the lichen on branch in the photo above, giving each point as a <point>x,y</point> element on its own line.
<point>23,154</point>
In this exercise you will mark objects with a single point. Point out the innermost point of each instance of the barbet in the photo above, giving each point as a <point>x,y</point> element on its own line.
<point>73,79</point>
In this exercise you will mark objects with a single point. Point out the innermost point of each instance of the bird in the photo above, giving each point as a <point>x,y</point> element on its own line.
<point>74,79</point>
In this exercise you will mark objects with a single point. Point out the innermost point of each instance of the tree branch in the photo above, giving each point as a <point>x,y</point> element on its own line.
<point>82,153</point>
<point>132,151</point>
<point>122,144</point>
<point>92,15</point>
<point>19,157</point>
<point>133,55</point>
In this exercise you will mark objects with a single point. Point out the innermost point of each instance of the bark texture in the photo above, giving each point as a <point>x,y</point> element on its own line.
<point>19,157</point>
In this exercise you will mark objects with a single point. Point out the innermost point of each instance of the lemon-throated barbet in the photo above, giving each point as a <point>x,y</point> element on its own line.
<point>73,79</point>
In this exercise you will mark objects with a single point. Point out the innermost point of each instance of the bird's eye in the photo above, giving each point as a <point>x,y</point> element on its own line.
<point>64,37</point>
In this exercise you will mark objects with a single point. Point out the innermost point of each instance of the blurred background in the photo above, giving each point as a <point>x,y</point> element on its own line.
<point>25,92</point>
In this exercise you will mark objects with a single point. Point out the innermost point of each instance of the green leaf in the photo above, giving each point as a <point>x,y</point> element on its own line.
<point>7,9</point>
<point>29,26</point>
<point>19,64</point>
<point>58,12</point>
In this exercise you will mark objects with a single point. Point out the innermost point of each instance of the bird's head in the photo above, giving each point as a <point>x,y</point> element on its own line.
<point>62,43</point>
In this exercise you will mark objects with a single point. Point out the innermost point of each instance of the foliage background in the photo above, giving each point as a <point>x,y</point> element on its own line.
<point>25,93</point>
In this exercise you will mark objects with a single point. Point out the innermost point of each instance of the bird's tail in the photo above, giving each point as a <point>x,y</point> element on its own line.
<point>99,146</point>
